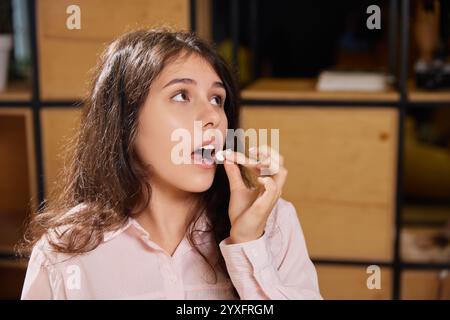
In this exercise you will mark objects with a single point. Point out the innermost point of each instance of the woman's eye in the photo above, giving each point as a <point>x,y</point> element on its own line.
<point>180,97</point>
<point>218,99</point>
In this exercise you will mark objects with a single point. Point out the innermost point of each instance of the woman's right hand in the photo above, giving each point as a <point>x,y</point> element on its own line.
<point>249,208</point>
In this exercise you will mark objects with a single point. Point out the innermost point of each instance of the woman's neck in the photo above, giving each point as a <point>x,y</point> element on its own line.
<point>169,211</point>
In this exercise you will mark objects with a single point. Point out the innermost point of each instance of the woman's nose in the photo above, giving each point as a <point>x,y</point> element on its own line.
<point>210,114</point>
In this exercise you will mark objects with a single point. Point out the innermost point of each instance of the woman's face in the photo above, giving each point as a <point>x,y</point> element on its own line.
<point>187,90</point>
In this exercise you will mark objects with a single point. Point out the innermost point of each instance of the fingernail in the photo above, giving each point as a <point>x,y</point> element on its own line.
<point>263,180</point>
<point>228,152</point>
<point>220,156</point>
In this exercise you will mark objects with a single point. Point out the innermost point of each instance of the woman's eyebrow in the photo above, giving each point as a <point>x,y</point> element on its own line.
<point>218,84</point>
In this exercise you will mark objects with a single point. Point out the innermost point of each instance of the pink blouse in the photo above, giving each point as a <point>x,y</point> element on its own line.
<point>129,265</point>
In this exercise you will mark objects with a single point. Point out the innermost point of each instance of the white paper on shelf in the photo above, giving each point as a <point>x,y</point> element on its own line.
<point>351,81</point>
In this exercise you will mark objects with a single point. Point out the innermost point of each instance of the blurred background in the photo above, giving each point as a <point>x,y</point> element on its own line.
<point>361,100</point>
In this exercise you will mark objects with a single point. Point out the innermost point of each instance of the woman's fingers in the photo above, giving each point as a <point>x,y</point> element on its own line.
<point>263,152</point>
<point>234,175</point>
<point>258,167</point>
<point>240,158</point>
<point>270,164</point>
<point>268,197</point>
<point>268,167</point>
<point>270,161</point>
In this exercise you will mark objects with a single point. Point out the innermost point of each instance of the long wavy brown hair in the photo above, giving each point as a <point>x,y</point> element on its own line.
<point>103,170</point>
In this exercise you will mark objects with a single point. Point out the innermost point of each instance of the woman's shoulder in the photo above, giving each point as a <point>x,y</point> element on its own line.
<point>44,254</point>
<point>44,250</point>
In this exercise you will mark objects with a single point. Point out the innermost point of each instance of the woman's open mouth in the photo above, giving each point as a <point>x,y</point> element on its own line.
<point>204,156</point>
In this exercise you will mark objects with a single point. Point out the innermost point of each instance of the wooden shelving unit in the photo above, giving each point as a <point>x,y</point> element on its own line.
<point>345,157</point>
<point>17,187</point>
<point>345,200</point>
<point>305,89</point>
<point>349,202</point>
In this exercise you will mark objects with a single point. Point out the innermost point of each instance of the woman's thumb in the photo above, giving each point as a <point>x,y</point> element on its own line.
<point>234,175</point>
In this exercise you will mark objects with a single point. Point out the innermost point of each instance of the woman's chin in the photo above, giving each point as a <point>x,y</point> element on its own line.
<point>199,181</point>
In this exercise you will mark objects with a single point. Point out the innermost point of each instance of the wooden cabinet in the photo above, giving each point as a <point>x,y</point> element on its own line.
<point>341,164</point>
<point>425,285</point>
<point>342,176</point>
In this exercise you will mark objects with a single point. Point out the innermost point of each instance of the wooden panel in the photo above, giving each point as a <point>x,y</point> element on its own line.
<point>305,88</point>
<point>58,127</point>
<point>341,165</point>
<point>350,282</point>
<point>16,91</point>
<point>340,231</point>
<point>66,56</point>
<point>17,174</point>
<point>417,284</point>
<point>204,24</point>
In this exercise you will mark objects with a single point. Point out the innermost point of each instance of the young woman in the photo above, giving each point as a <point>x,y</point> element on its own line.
<point>129,223</point>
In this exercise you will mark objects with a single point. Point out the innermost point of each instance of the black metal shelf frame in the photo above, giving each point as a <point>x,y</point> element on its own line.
<point>15,103</point>
<point>36,103</point>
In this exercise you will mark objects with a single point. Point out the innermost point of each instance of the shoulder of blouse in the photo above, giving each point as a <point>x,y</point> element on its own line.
<point>43,252</point>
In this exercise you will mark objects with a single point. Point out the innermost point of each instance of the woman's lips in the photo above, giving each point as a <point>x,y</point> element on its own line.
<point>204,159</point>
